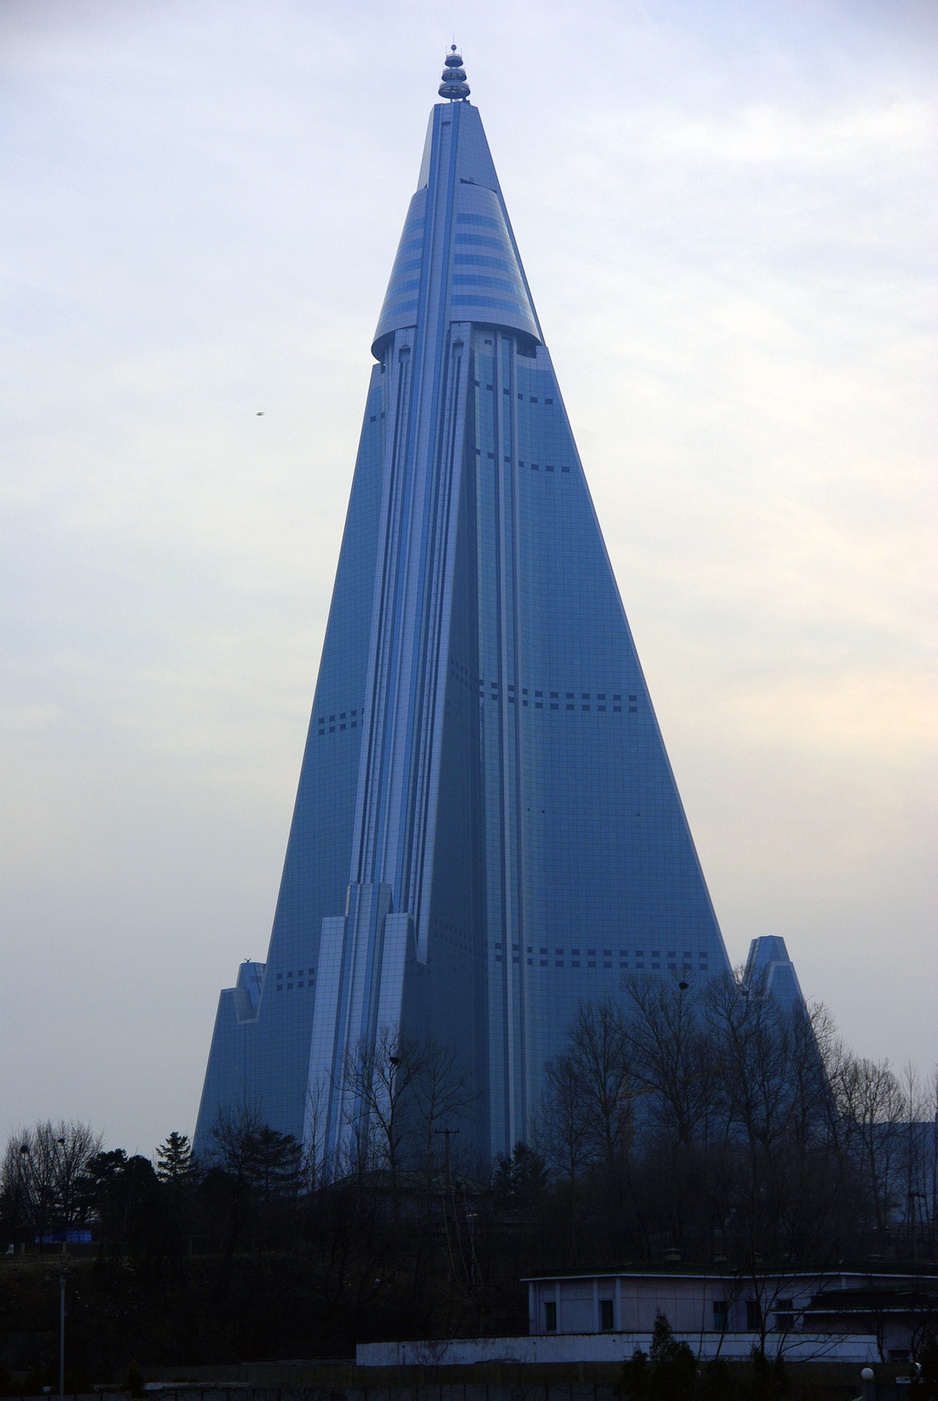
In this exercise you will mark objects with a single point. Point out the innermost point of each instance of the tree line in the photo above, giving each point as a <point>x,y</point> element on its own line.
<point>679,1123</point>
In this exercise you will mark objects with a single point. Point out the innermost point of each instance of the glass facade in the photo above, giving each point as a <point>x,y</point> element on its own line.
<point>487,830</point>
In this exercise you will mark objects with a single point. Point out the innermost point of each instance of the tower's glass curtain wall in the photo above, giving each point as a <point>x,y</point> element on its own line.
<point>487,830</point>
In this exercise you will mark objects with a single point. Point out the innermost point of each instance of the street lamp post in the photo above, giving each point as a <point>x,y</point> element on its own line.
<point>63,1271</point>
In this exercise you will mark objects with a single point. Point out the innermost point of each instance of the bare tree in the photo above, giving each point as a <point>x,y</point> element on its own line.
<point>669,1055</point>
<point>380,1081</point>
<point>402,1094</point>
<point>316,1162</point>
<point>870,1103</point>
<point>442,1097</point>
<point>563,1121</point>
<point>599,1057</point>
<point>752,1039</point>
<point>42,1175</point>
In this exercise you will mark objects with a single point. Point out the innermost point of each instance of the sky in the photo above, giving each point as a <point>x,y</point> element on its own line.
<point>727,213</point>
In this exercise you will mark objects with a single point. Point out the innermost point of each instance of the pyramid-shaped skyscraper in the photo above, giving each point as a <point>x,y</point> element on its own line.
<point>487,831</point>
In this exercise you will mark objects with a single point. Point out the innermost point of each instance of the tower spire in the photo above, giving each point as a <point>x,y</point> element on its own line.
<point>454,85</point>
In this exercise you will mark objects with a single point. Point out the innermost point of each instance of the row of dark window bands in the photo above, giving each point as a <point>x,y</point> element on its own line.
<point>345,720</point>
<point>538,705</point>
<point>534,466</point>
<point>477,683</point>
<point>639,963</point>
<point>555,705</point>
<point>304,976</point>
<point>532,398</point>
<point>686,955</point>
<point>553,699</point>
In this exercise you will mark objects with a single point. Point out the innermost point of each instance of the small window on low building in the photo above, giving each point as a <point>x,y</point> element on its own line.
<point>785,1315</point>
<point>753,1316</point>
<point>606,1320</point>
<point>550,1317</point>
<point>721,1315</point>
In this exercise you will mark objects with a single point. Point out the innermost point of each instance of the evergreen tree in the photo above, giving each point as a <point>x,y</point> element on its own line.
<point>673,1368</point>
<point>174,1158</point>
<point>521,1180</point>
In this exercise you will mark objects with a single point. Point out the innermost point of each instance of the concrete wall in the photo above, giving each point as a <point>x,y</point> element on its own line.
<point>606,1347</point>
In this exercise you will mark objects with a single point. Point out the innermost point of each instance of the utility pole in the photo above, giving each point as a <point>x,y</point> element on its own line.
<point>446,1133</point>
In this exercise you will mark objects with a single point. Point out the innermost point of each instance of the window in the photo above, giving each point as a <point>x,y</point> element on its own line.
<point>606,1320</point>
<point>550,1318</point>
<point>785,1315</point>
<point>753,1315</point>
<point>721,1315</point>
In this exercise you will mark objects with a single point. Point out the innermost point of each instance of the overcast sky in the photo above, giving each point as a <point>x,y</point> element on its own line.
<point>727,213</point>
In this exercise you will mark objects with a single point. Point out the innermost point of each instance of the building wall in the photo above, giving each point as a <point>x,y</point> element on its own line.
<point>893,1309</point>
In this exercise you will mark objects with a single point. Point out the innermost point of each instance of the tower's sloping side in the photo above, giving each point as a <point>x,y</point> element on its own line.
<point>487,830</point>
<point>592,874</point>
<point>259,1057</point>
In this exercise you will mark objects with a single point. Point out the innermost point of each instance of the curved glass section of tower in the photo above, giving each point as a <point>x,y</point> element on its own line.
<point>487,830</point>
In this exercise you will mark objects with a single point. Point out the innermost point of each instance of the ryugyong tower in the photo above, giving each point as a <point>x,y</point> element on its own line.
<point>487,830</point>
